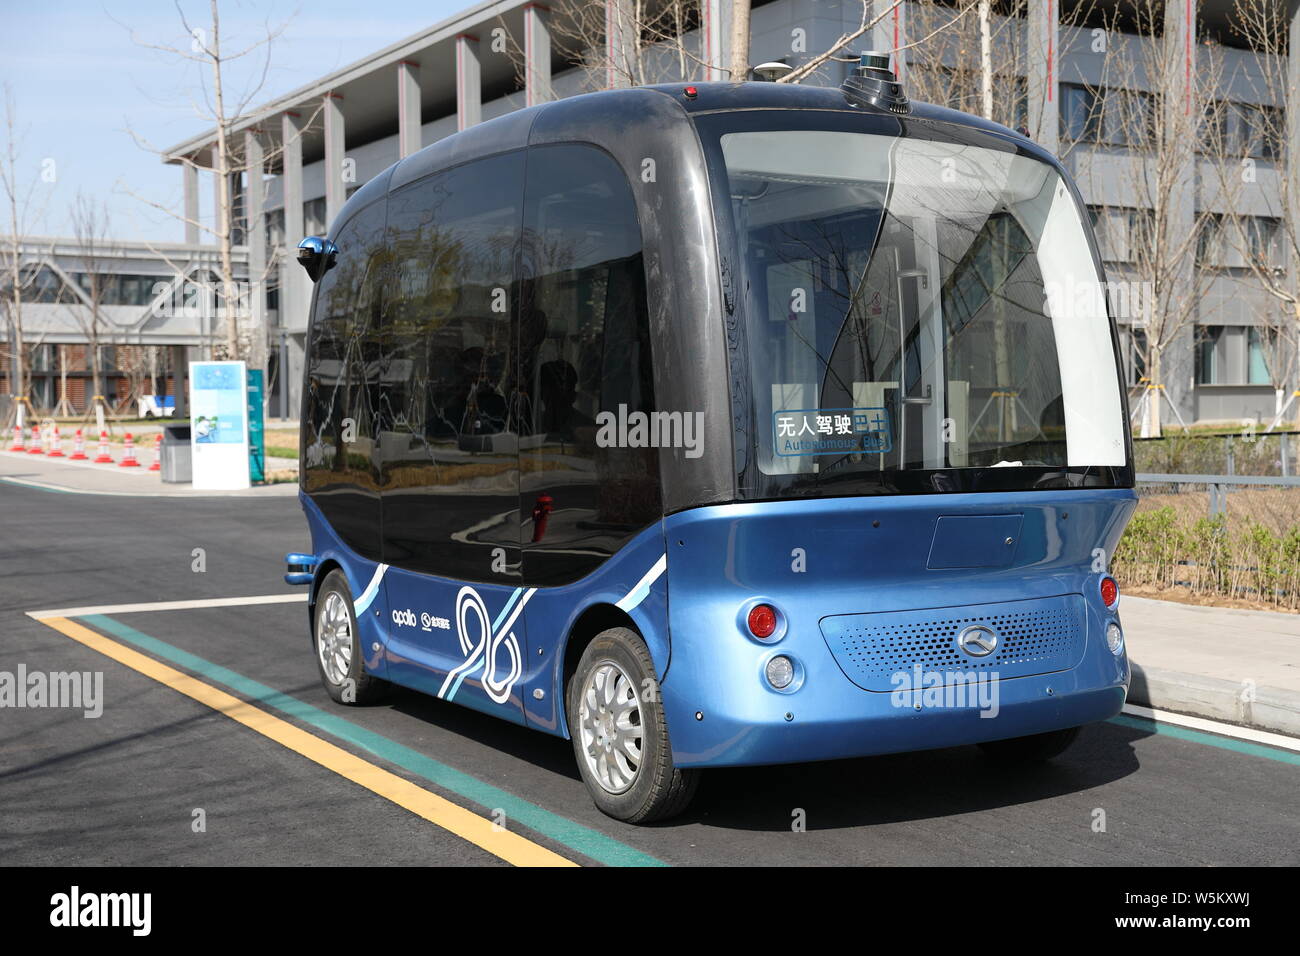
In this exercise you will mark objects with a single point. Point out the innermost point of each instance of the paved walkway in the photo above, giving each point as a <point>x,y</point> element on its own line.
<point>88,478</point>
<point>1221,663</point>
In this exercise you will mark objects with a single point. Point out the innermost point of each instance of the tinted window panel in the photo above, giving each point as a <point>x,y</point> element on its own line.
<point>450,423</point>
<point>584,362</point>
<point>341,401</point>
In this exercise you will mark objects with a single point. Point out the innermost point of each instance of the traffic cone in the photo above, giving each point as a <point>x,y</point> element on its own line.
<point>128,454</point>
<point>78,448</point>
<point>56,451</point>
<point>38,442</point>
<point>18,439</point>
<point>157,454</point>
<point>103,458</point>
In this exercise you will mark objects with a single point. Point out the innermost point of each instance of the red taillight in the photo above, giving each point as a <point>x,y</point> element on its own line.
<point>762,620</point>
<point>1109,592</point>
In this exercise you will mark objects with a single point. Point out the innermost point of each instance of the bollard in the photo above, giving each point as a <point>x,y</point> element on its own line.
<point>78,448</point>
<point>103,458</point>
<point>128,454</point>
<point>56,449</point>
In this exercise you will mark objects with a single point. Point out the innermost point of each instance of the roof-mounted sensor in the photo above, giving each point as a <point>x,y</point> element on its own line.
<point>873,83</point>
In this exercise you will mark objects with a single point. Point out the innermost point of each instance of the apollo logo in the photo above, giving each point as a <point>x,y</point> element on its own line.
<point>405,618</point>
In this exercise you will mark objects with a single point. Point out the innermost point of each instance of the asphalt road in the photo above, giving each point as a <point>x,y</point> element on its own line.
<point>124,788</point>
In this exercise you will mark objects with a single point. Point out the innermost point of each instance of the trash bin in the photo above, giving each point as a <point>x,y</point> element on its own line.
<point>177,456</point>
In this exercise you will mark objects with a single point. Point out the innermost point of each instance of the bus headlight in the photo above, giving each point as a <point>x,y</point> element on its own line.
<point>1114,638</point>
<point>780,671</point>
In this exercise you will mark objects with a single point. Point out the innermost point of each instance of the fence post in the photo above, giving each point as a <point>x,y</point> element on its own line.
<point>1284,447</point>
<point>1227,444</point>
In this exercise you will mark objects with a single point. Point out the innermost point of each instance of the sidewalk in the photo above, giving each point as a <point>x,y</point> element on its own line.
<point>84,477</point>
<point>1225,664</point>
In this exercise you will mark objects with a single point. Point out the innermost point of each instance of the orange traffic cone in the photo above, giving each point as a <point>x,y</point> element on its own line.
<point>157,454</point>
<point>128,454</point>
<point>56,451</point>
<point>18,439</point>
<point>38,442</point>
<point>78,448</point>
<point>103,458</point>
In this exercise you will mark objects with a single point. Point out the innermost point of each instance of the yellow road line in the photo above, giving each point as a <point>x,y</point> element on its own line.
<point>437,810</point>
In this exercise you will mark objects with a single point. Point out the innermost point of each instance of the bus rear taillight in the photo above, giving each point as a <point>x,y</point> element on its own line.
<point>1109,592</point>
<point>762,621</point>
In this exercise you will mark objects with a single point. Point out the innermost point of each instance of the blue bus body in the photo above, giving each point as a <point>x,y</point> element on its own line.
<point>872,584</point>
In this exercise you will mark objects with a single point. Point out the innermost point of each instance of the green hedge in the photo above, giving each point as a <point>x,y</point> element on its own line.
<point>1208,557</point>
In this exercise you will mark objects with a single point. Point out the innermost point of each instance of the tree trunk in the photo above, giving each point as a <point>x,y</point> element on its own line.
<point>740,40</point>
<point>1154,386</point>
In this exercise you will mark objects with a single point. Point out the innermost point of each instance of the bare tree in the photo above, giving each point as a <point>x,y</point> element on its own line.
<point>21,210</point>
<point>90,230</point>
<point>224,111</point>
<point>739,65</point>
<point>1156,108</point>
<point>1264,244</point>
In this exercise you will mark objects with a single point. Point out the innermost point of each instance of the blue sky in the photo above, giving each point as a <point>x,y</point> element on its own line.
<point>79,82</point>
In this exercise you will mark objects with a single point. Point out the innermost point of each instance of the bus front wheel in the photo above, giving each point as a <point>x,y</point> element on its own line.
<point>337,644</point>
<point>619,734</point>
<point>1032,749</point>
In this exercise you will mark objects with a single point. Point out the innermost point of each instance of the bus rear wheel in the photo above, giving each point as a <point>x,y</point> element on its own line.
<point>619,734</point>
<point>337,644</point>
<point>1033,749</point>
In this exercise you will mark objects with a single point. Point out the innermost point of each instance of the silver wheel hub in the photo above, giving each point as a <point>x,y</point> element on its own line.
<point>334,638</point>
<point>609,725</point>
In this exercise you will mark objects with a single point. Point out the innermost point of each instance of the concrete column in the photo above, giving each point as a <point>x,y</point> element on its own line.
<point>254,163</point>
<point>537,54</point>
<point>295,293</point>
<point>715,30</point>
<point>1041,80</point>
<point>190,181</point>
<point>336,193</point>
<point>408,108</point>
<point>890,34</point>
<point>469,82</point>
<point>620,44</point>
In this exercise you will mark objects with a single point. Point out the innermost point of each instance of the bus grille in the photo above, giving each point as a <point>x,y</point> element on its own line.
<point>1034,637</point>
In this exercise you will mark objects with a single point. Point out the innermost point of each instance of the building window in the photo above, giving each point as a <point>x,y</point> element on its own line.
<point>1080,117</point>
<point>1247,129</point>
<point>1258,345</point>
<point>1122,233</point>
<point>1209,344</point>
<point>1246,242</point>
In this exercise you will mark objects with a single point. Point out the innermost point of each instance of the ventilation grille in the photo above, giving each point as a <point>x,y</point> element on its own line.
<point>1033,637</point>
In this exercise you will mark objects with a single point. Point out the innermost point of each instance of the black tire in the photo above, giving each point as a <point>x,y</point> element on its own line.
<point>1033,749</point>
<point>658,790</point>
<point>354,686</point>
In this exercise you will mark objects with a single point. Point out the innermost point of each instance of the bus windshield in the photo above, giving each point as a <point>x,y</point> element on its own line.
<point>919,312</point>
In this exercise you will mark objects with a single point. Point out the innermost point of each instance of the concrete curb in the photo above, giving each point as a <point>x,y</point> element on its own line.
<point>1264,708</point>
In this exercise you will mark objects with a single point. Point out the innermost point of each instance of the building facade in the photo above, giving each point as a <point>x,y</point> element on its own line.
<point>138,310</point>
<point>314,146</point>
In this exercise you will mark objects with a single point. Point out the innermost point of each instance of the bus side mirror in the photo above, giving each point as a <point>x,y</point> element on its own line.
<point>317,256</point>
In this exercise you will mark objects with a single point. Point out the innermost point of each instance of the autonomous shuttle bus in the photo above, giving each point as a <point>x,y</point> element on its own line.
<point>717,425</point>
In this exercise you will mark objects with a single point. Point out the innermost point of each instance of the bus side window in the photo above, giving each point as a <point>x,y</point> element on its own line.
<point>450,441</point>
<point>584,360</point>
<point>340,400</point>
